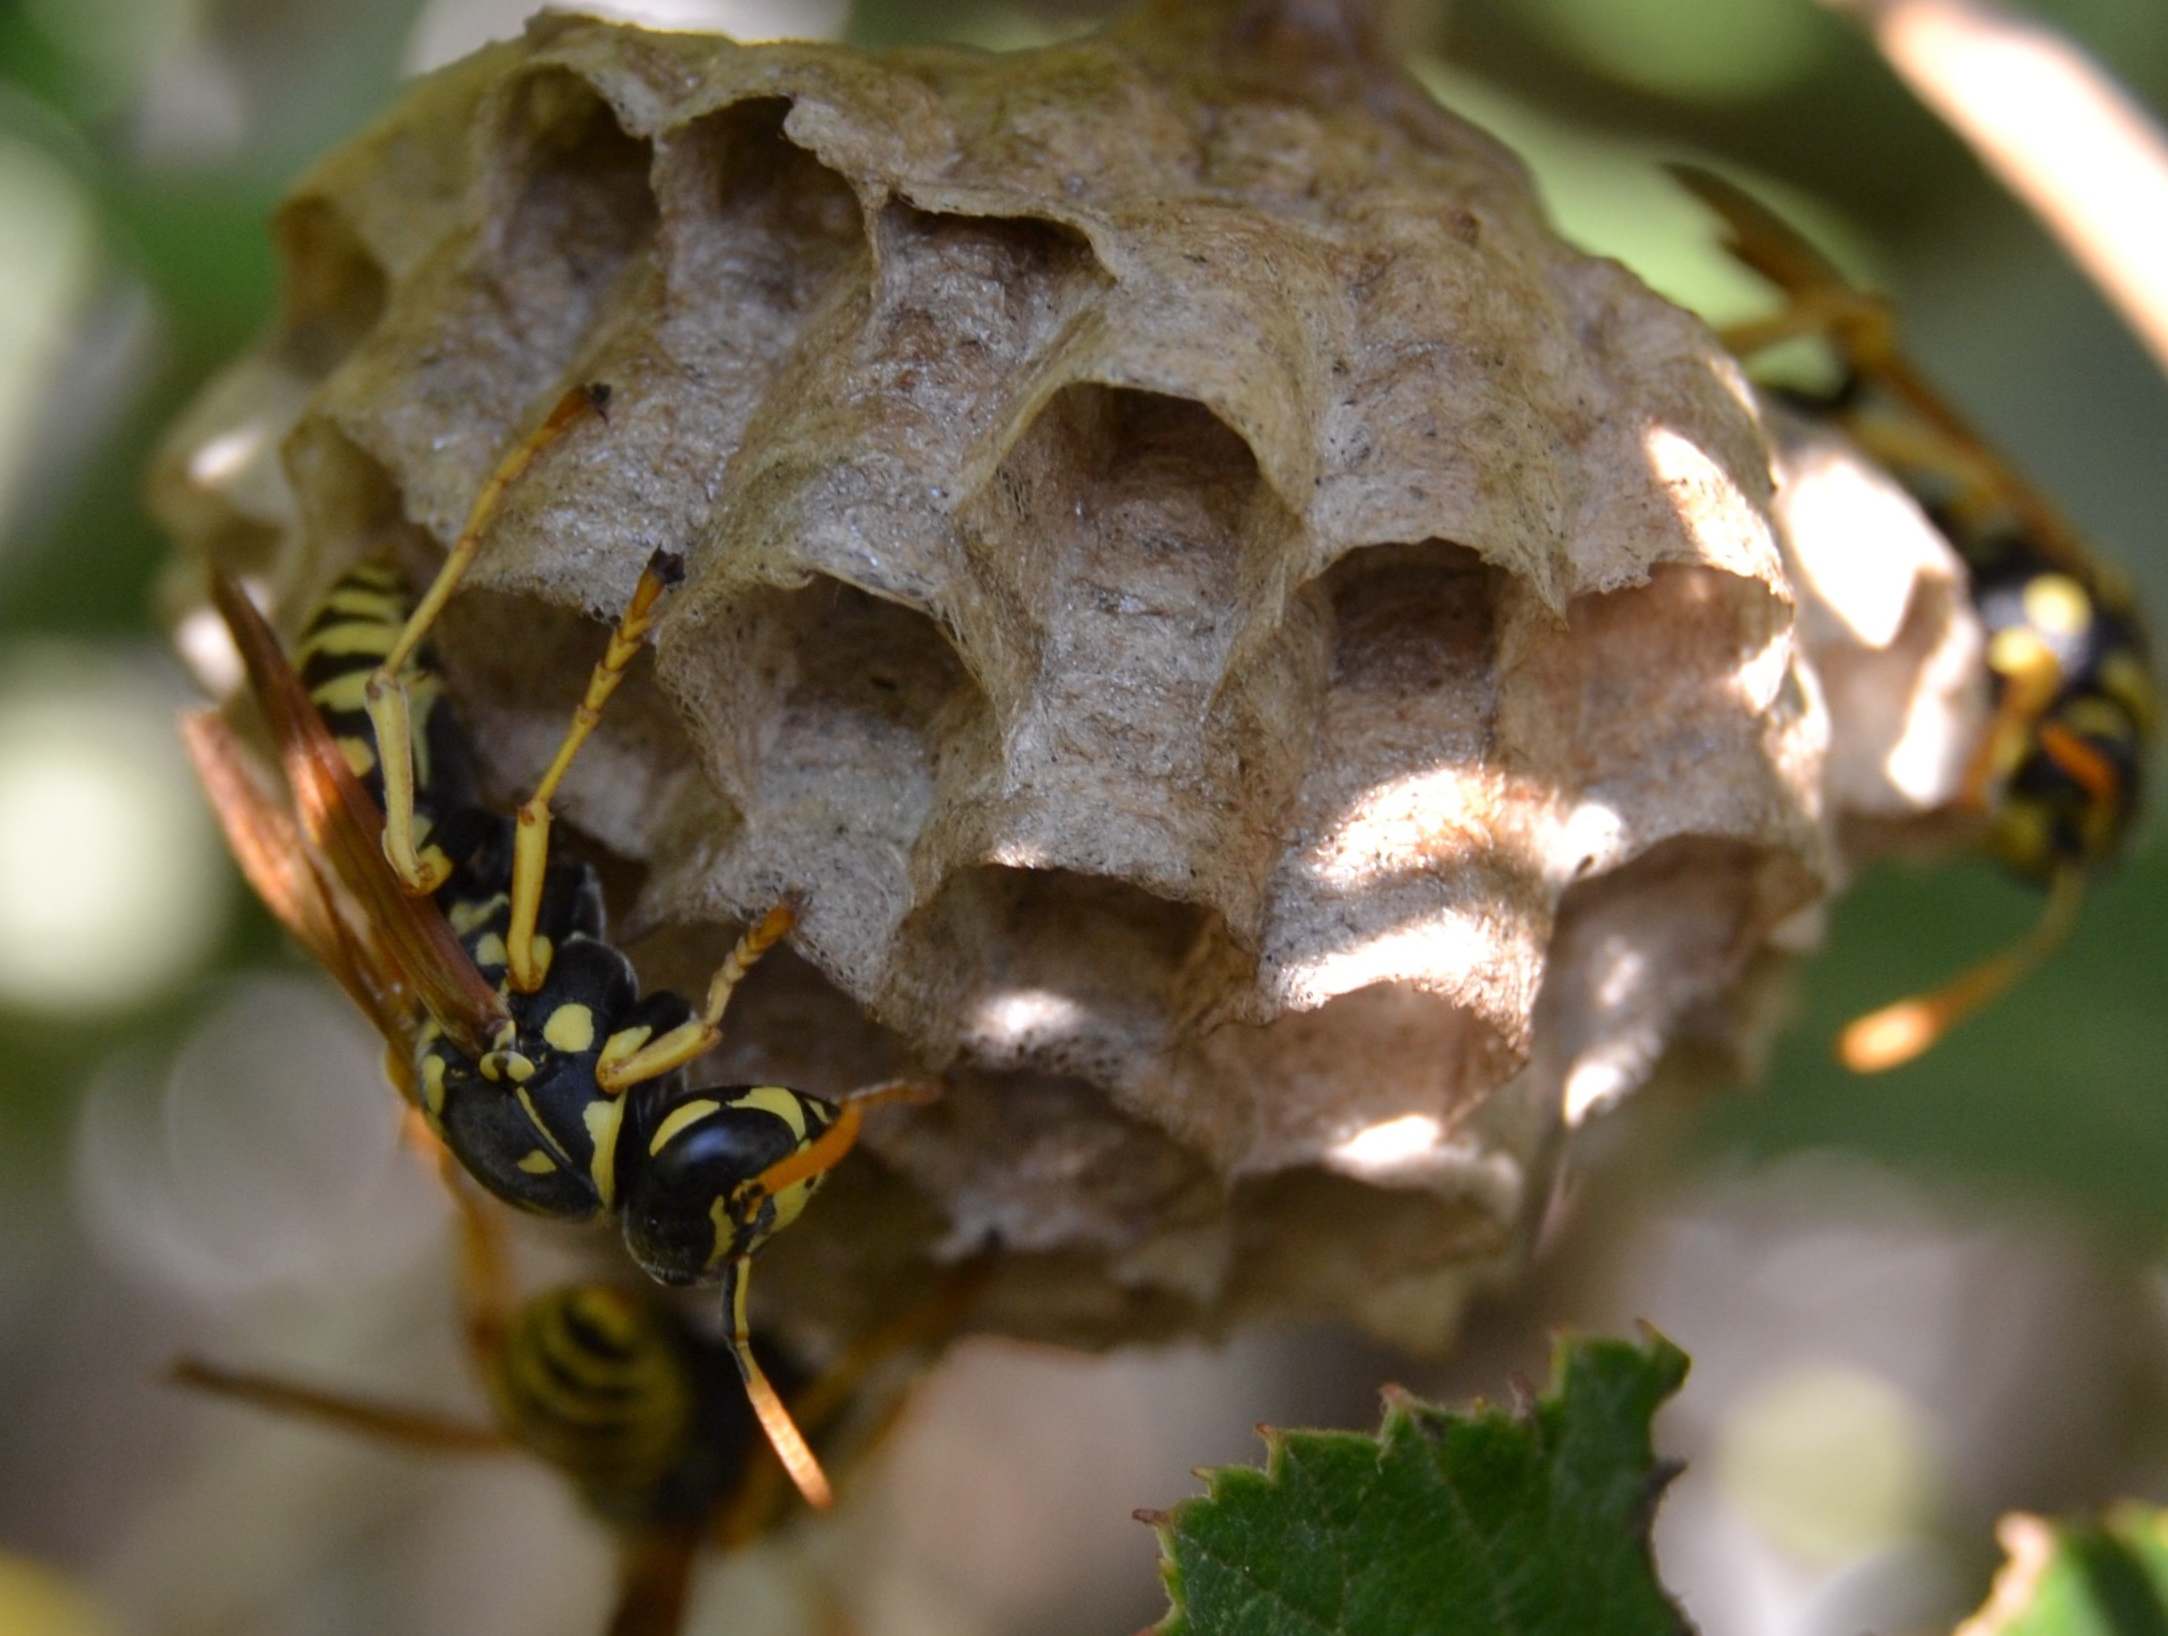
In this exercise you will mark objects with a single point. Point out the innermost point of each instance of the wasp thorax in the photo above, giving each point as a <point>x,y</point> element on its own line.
<point>1264,666</point>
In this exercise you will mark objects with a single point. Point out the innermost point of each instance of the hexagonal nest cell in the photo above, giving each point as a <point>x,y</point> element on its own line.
<point>1272,672</point>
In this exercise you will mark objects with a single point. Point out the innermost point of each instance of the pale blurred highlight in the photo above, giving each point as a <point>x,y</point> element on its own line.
<point>48,244</point>
<point>112,881</point>
<point>274,1109</point>
<point>449,29</point>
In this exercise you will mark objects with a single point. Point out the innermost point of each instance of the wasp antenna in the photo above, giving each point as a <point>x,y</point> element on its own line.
<point>789,1443</point>
<point>1897,1033</point>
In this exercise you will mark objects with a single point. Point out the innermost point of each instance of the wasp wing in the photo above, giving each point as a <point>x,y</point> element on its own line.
<point>340,819</point>
<point>289,876</point>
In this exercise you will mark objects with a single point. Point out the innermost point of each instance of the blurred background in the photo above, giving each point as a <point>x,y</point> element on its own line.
<point>1914,1303</point>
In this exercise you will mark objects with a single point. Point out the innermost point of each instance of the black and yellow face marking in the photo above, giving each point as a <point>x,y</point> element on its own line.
<point>2075,707</point>
<point>691,1209</point>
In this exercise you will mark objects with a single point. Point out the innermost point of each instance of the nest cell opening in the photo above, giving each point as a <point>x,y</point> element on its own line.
<point>518,667</point>
<point>753,223</point>
<point>575,204</point>
<point>1056,970</point>
<point>350,507</point>
<point>1408,718</point>
<point>334,290</point>
<point>841,706</point>
<point>1007,283</point>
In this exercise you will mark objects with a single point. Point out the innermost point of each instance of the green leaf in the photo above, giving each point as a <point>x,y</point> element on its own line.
<point>1482,1521</point>
<point>2104,1577</point>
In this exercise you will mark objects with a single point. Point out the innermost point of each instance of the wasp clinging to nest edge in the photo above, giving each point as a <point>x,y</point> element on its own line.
<point>512,1025</point>
<point>2058,772</point>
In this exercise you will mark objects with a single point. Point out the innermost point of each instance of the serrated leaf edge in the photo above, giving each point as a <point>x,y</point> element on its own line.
<point>1404,1414</point>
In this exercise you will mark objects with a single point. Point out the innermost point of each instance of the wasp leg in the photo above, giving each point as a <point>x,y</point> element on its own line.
<point>789,1443</point>
<point>485,1280</point>
<point>654,1579</point>
<point>526,955</point>
<point>1897,1033</point>
<point>386,692</point>
<point>697,1036</point>
<point>2031,676</point>
<point>1856,323</point>
<point>386,1423</point>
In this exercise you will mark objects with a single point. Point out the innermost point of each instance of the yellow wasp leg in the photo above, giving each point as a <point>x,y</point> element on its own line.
<point>530,849</point>
<point>1910,445</point>
<point>695,1037</point>
<point>364,1417</point>
<point>1857,323</point>
<point>385,694</point>
<point>2031,677</point>
<point>654,1578</point>
<point>1897,1033</point>
<point>485,1282</point>
<point>789,1443</point>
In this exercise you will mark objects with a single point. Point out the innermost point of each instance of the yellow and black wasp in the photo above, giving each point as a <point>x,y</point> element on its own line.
<point>515,1028</point>
<point>615,1391</point>
<point>2059,771</point>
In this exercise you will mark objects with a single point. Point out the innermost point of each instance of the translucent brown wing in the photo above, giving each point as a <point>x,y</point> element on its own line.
<point>412,943</point>
<point>289,875</point>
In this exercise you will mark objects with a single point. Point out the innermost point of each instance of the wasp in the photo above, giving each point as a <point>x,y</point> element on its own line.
<point>511,1023</point>
<point>616,1392</point>
<point>2058,772</point>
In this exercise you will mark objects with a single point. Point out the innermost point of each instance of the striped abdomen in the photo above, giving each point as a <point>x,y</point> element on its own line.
<point>601,1384</point>
<point>348,635</point>
<point>346,638</point>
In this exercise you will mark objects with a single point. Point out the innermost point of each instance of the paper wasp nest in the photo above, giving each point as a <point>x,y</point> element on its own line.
<point>1268,668</point>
